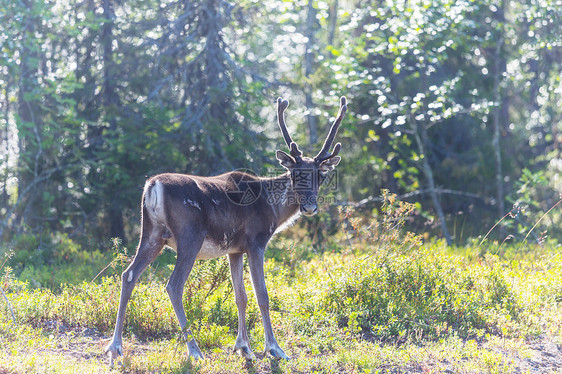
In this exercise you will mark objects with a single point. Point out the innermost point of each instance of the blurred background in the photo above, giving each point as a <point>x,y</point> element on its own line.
<point>454,106</point>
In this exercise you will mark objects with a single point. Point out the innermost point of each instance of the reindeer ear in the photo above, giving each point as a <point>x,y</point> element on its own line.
<point>330,164</point>
<point>285,160</point>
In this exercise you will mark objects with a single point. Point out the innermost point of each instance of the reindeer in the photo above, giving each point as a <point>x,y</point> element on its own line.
<point>232,214</point>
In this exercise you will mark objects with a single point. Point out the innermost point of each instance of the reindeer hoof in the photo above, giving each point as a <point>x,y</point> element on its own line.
<point>113,350</point>
<point>194,351</point>
<point>276,353</point>
<point>245,352</point>
<point>196,356</point>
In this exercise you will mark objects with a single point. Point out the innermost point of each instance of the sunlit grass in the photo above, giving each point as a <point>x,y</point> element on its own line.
<point>380,301</point>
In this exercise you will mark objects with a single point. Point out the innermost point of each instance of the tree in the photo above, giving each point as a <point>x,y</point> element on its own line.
<point>39,115</point>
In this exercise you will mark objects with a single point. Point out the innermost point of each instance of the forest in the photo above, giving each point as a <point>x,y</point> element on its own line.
<point>456,105</point>
<point>451,157</point>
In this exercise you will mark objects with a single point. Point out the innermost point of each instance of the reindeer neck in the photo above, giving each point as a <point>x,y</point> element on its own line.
<point>281,197</point>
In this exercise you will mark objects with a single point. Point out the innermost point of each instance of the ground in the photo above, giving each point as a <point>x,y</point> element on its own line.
<point>56,348</point>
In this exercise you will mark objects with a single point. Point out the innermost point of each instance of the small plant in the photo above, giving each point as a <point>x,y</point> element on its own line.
<point>120,257</point>
<point>7,278</point>
<point>385,234</point>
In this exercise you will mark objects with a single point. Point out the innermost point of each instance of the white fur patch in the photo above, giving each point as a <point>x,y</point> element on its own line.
<point>288,223</point>
<point>194,204</point>
<point>154,201</point>
<point>210,250</point>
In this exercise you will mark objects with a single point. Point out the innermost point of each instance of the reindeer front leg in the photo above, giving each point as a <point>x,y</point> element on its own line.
<point>256,260</point>
<point>242,345</point>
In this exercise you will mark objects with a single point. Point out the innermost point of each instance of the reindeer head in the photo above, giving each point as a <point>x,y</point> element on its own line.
<point>307,174</point>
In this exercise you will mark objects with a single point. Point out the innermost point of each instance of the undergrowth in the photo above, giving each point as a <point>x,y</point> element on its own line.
<point>380,285</point>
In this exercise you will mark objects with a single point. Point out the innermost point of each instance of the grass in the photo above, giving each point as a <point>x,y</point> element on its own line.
<point>380,301</point>
<point>431,309</point>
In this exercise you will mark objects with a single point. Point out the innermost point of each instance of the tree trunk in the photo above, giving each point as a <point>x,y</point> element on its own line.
<point>5,165</point>
<point>30,159</point>
<point>110,102</point>
<point>499,113</point>
<point>420,135</point>
<point>311,119</point>
<point>333,21</point>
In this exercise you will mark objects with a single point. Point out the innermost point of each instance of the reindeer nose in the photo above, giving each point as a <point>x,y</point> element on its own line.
<point>309,209</point>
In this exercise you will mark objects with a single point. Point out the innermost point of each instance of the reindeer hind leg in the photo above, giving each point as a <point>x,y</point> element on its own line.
<point>188,245</point>
<point>150,245</point>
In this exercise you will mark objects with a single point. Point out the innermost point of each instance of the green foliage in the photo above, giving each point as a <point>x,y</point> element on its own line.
<point>92,120</point>
<point>423,295</point>
<point>92,103</point>
<point>94,97</point>
<point>339,306</point>
<point>52,260</point>
<point>209,303</point>
<point>535,207</point>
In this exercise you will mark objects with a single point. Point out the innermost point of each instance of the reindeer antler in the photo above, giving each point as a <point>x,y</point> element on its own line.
<point>281,106</point>
<point>324,153</point>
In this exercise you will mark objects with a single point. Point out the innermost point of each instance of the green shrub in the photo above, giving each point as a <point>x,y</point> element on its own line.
<point>425,294</point>
<point>52,260</point>
<point>208,300</point>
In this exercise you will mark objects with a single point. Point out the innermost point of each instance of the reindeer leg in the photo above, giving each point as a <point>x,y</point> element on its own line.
<point>256,259</point>
<point>148,249</point>
<point>242,345</point>
<point>188,245</point>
